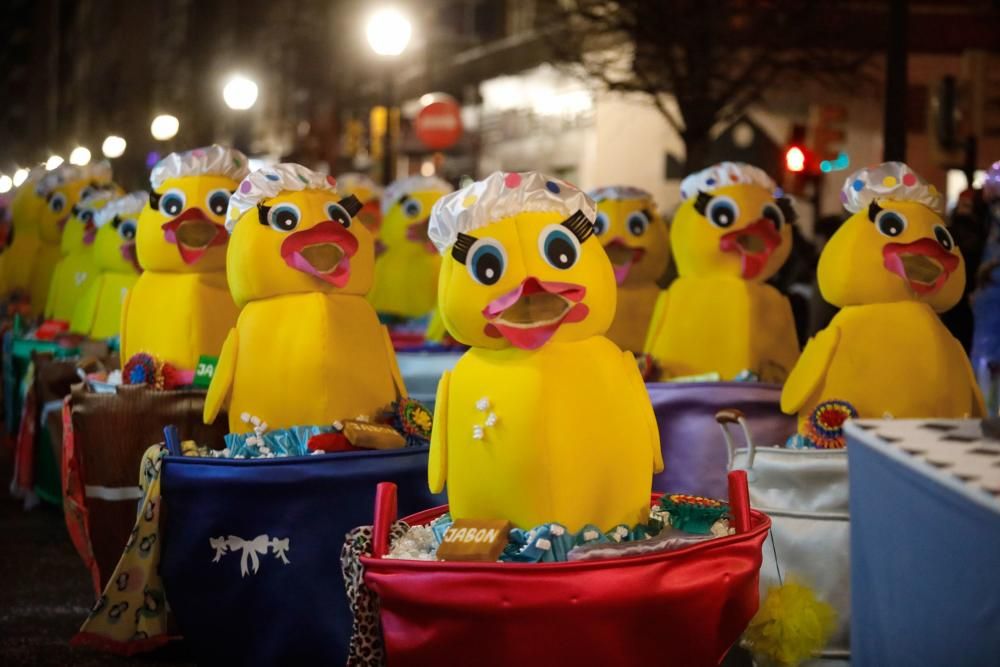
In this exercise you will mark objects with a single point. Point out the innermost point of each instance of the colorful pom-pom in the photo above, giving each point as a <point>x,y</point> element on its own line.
<point>140,369</point>
<point>790,626</point>
<point>824,429</point>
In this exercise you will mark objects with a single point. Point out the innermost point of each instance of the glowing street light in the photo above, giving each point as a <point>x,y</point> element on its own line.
<point>113,146</point>
<point>240,93</point>
<point>20,176</point>
<point>164,127</point>
<point>6,183</point>
<point>388,31</point>
<point>80,156</point>
<point>53,162</point>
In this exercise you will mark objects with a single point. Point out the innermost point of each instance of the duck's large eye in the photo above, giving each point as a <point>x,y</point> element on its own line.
<point>773,213</point>
<point>172,202</point>
<point>284,217</point>
<point>722,211</point>
<point>218,201</point>
<point>558,246</point>
<point>126,229</point>
<point>601,223</point>
<point>890,223</point>
<point>943,237</point>
<point>57,203</point>
<point>86,192</point>
<point>338,213</point>
<point>487,262</point>
<point>412,208</point>
<point>637,223</point>
<point>86,216</point>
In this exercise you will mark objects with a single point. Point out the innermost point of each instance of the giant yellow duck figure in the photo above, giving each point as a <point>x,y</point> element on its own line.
<point>180,307</point>
<point>543,419</point>
<point>308,347</point>
<point>891,267</point>
<point>732,233</point>
<point>638,245</point>
<point>18,258</point>
<point>369,193</point>
<point>77,269</point>
<point>99,312</point>
<point>406,269</point>
<point>63,188</point>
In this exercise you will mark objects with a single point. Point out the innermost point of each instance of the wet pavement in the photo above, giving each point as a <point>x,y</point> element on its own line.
<point>45,590</point>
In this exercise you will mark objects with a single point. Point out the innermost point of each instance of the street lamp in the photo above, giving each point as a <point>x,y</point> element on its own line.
<point>20,176</point>
<point>6,183</point>
<point>80,156</point>
<point>239,93</point>
<point>164,127</point>
<point>388,31</point>
<point>113,146</point>
<point>53,162</point>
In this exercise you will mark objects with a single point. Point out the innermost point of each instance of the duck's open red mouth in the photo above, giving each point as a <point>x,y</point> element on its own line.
<point>923,264</point>
<point>323,251</point>
<point>623,257</point>
<point>754,243</point>
<point>193,234</point>
<point>530,314</point>
<point>417,233</point>
<point>89,233</point>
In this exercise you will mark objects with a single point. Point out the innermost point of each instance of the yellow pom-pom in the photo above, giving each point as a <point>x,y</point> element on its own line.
<point>791,625</point>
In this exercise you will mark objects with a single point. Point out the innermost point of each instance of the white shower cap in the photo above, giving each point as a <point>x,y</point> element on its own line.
<point>212,160</point>
<point>125,205</point>
<point>68,173</point>
<point>722,174</point>
<point>618,193</point>
<point>411,184</point>
<point>351,182</point>
<point>501,195</point>
<point>889,180</point>
<point>270,182</point>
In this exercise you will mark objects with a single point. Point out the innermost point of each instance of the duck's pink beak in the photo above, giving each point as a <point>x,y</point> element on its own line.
<point>530,314</point>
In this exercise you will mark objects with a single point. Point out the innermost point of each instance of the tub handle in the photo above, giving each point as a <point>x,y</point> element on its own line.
<point>385,516</point>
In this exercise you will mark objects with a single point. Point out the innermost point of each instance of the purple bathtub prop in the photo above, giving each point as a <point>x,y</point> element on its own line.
<point>694,454</point>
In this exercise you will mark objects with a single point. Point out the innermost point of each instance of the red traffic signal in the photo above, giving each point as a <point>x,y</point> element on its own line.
<point>795,159</point>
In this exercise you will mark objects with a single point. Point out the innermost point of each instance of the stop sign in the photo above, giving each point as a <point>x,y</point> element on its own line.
<point>438,125</point>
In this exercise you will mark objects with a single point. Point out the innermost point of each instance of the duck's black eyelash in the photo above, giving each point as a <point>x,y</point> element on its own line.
<point>785,204</point>
<point>460,251</point>
<point>873,210</point>
<point>581,227</point>
<point>701,203</point>
<point>116,222</point>
<point>262,212</point>
<point>351,204</point>
<point>154,200</point>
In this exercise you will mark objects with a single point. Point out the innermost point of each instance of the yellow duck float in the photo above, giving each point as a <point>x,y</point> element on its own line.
<point>99,312</point>
<point>638,245</point>
<point>180,307</point>
<point>406,264</point>
<point>62,188</point>
<point>732,233</point>
<point>368,193</point>
<point>19,257</point>
<point>516,435</point>
<point>891,267</point>
<point>77,269</point>
<point>308,348</point>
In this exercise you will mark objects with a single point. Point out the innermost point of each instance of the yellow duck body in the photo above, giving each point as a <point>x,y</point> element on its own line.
<point>308,348</point>
<point>719,316</point>
<point>99,312</point>
<point>19,257</point>
<point>180,307</point>
<point>544,419</point>
<point>638,244</point>
<point>406,264</point>
<point>890,267</point>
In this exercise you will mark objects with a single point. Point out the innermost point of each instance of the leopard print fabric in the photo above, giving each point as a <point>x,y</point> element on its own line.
<point>366,649</point>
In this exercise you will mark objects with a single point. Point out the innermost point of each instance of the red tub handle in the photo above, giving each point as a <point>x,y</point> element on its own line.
<point>739,500</point>
<point>385,516</point>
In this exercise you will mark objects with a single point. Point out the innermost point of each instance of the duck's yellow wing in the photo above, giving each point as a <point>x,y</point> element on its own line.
<point>222,378</point>
<point>437,462</point>
<point>978,404</point>
<point>641,395</point>
<point>809,370</point>
<point>397,377</point>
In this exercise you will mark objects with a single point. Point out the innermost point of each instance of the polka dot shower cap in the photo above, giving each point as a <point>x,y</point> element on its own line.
<point>723,174</point>
<point>123,206</point>
<point>68,173</point>
<point>618,193</point>
<point>97,198</point>
<point>353,182</point>
<point>212,160</point>
<point>889,180</point>
<point>501,195</point>
<point>991,186</point>
<point>270,182</point>
<point>406,186</point>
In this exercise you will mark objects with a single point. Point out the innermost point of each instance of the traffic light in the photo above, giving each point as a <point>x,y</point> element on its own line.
<point>795,159</point>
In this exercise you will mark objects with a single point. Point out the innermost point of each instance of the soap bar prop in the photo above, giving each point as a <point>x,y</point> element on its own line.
<point>475,540</point>
<point>367,435</point>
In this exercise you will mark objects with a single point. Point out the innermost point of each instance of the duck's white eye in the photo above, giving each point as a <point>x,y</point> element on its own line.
<point>487,260</point>
<point>172,202</point>
<point>218,201</point>
<point>57,203</point>
<point>890,223</point>
<point>601,223</point>
<point>126,229</point>
<point>338,213</point>
<point>722,211</point>
<point>638,223</point>
<point>284,217</point>
<point>944,237</point>
<point>558,246</point>
<point>412,208</point>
